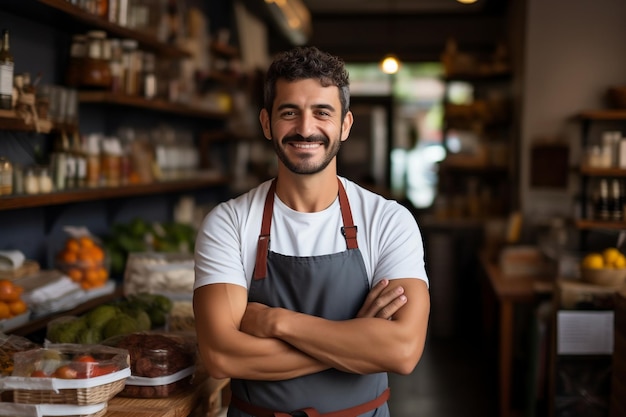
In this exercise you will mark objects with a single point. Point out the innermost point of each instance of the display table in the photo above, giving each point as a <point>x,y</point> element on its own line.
<point>207,394</point>
<point>508,292</point>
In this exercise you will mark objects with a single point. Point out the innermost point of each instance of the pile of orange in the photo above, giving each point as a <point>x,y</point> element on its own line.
<point>83,260</point>
<point>11,303</point>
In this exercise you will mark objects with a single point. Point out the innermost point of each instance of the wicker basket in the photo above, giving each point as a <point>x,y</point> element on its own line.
<point>52,410</point>
<point>78,396</point>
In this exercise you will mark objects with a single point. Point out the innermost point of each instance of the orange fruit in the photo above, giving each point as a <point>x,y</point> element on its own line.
<point>68,257</point>
<point>9,291</point>
<point>72,245</point>
<point>75,274</point>
<point>104,274</point>
<point>5,311</point>
<point>92,276</point>
<point>18,307</point>
<point>97,254</point>
<point>86,242</point>
<point>86,285</point>
<point>85,258</point>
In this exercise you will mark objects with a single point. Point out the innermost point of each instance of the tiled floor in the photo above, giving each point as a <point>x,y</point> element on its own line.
<point>453,379</point>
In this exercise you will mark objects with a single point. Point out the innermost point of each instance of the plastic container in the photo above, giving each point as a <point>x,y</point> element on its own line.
<point>161,364</point>
<point>68,374</point>
<point>84,260</point>
<point>169,274</point>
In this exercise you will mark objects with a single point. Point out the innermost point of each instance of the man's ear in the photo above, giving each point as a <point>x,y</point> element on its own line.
<point>264,118</point>
<point>346,125</point>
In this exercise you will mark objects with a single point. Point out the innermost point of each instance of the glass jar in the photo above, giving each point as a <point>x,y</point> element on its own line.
<point>97,72</point>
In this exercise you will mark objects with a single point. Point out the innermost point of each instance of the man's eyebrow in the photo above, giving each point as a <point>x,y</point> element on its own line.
<point>315,106</point>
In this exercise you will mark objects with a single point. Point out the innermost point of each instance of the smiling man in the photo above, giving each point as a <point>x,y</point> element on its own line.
<point>309,288</point>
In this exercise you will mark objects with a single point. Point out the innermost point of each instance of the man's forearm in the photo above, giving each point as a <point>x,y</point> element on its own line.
<point>361,345</point>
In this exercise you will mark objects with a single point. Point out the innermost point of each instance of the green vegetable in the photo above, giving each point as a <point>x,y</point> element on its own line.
<point>120,325</point>
<point>100,316</point>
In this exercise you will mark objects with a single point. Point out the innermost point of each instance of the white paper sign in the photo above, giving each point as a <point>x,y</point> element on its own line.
<point>585,332</point>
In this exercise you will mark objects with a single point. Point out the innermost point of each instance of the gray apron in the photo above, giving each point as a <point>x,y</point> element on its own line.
<point>330,286</point>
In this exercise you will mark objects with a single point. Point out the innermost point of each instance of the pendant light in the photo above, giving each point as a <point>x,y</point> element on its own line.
<point>390,64</point>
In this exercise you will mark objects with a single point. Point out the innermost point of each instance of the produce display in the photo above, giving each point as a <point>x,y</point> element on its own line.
<point>141,236</point>
<point>138,312</point>
<point>11,302</point>
<point>68,374</point>
<point>69,362</point>
<point>606,267</point>
<point>83,259</point>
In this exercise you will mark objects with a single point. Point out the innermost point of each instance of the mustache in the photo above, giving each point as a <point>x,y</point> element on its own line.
<point>299,138</point>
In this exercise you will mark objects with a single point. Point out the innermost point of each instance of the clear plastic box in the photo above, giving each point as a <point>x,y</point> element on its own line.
<point>161,363</point>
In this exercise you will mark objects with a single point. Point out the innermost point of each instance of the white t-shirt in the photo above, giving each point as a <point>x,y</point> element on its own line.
<point>388,236</point>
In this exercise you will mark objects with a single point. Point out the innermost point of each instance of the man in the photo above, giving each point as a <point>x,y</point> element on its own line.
<point>309,288</point>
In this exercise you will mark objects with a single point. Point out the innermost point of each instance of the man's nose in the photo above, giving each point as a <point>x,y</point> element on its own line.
<point>306,125</point>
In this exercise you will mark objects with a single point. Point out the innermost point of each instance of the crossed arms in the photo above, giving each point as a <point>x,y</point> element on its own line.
<point>245,340</point>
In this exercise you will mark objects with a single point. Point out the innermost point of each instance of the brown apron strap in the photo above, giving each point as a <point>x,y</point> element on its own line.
<point>355,411</point>
<point>348,229</point>
<point>260,267</point>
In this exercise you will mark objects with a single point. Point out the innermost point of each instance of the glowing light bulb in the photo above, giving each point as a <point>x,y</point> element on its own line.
<point>390,65</point>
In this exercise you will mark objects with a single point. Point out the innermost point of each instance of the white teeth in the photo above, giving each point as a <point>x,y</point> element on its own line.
<point>306,145</point>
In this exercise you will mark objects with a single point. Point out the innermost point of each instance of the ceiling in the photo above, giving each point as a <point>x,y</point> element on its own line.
<point>416,30</point>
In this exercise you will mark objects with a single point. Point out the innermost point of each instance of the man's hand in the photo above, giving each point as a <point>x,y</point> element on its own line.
<point>382,301</point>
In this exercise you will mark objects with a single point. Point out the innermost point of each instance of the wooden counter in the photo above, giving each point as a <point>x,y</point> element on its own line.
<point>207,395</point>
<point>508,292</point>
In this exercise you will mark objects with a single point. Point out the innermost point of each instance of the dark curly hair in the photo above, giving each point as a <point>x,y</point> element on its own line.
<point>307,62</point>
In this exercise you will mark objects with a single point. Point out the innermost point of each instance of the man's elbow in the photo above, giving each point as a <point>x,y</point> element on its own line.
<point>407,359</point>
<point>216,365</point>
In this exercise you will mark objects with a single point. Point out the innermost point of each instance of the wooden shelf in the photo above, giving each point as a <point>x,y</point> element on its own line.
<point>41,322</point>
<point>198,181</point>
<point>605,114</point>
<point>602,172</point>
<point>587,224</point>
<point>63,14</point>
<point>478,77</point>
<point>104,97</point>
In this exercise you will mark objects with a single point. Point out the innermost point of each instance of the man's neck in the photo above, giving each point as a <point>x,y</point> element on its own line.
<point>307,193</point>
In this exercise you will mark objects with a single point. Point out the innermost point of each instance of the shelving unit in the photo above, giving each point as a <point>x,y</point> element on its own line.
<point>41,217</point>
<point>587,223</point>
<point>197,181</point>
<point>487,164</point>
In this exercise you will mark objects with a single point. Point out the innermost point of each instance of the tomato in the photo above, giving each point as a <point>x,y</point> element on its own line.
<point>65,372</point>
<point>105,369</point>
<point>38,374</point>
<point>84,358</point>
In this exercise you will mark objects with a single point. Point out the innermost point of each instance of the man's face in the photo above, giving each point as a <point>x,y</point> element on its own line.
<point>305,126</point>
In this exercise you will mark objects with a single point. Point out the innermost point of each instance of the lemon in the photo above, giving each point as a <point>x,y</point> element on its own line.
<point>620,262</point>
<point>610,256</point>
<point>593,261</point>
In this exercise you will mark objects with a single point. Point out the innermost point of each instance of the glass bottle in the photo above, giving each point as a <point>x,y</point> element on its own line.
<point>7,66</point>
<point>6,176</point>
<point>603,205</point>
<point>617,200</point>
